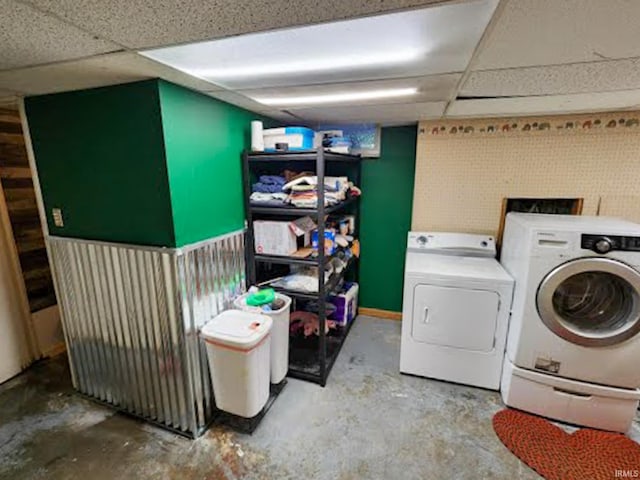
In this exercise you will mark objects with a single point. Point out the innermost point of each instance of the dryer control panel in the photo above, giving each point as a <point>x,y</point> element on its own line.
<point>607,243</point>
<point>444,243</point>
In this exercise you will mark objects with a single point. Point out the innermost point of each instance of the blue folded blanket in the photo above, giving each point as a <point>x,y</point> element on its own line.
<point>269,184</point>
<point>272,179</point>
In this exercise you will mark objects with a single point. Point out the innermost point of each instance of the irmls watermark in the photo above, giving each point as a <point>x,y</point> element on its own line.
<point>627,473</point>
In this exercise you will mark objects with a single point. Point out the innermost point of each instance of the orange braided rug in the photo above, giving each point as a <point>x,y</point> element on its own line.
<point>557,455</point>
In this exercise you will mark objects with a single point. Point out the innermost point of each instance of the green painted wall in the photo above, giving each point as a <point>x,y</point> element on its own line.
<point>100,159</point>
<point>148,163</point>
<point>153,163</point>
<point>204,139</point>
<point>387,198</point>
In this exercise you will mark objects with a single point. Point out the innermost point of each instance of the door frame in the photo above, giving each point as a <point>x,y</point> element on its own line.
<point>31,157</point>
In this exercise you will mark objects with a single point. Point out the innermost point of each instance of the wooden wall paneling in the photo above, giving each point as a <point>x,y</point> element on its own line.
<point>18,344</point>
<point>20,197</point>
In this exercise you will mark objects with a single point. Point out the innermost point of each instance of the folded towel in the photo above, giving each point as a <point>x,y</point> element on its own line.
<point>272,180</point>
<point>268,199</point>
<point>330,183</point>
<point>268,184</point>
<point>266,188</point>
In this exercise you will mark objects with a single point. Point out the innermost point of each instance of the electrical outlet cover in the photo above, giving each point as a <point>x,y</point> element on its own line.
<point>57,217</point>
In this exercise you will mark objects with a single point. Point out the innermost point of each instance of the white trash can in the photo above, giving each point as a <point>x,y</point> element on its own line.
<point>279,334</point>
<point>238,348</point>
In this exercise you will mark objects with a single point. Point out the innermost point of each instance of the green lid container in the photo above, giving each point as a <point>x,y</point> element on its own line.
<point>261,297</point>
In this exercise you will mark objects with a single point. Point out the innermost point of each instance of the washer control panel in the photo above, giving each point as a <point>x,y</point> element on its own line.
<point>606,243</point>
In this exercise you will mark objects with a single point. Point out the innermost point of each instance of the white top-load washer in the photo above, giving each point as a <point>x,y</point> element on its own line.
<point>573,349</point>
<point>455,309</point>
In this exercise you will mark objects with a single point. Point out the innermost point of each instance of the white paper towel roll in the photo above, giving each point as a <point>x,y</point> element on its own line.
<point>257,140</point>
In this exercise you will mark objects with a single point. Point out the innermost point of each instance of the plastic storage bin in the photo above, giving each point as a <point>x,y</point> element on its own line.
<point>279,334</point>
<point>238,348</point>
<point>296,138</point>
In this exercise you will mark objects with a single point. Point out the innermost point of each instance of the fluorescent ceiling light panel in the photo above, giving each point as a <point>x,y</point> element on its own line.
<point>337,97</point>
<point>427,41</point>
<point>310,65</point>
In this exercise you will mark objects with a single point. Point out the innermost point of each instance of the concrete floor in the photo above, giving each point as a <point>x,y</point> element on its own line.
<point>370,422</point>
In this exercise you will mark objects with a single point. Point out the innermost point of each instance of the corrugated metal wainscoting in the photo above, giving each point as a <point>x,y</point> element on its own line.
<point>131,316</point>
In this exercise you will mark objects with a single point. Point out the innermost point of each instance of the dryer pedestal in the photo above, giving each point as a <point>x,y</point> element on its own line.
<point>570,401</point>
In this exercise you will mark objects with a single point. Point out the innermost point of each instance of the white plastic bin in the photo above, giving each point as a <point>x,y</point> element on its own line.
<point>296,138</point>
<point>238,348</point>
<point>279,334</point>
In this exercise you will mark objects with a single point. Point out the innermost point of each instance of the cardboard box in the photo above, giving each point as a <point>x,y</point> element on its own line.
<point>279,238</point>
<point>346,303</point>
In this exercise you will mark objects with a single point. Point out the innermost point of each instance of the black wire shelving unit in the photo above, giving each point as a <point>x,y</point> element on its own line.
<point>310,358</point>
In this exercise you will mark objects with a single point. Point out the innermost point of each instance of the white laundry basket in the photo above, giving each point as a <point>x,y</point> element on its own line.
<point>238,348</point>
<point>279,334</point>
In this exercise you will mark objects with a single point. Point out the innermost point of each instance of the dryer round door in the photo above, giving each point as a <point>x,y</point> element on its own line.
<point>593,302</point>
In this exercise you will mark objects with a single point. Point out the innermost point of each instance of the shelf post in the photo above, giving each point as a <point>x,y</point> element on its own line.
<point>320,171</point>
<point>249,243</point>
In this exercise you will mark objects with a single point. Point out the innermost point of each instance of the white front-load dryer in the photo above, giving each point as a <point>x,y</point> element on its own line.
<point>455,309</point>
<point>573,348</point>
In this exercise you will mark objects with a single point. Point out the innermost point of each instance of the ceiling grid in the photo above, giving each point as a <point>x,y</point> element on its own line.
<point>535,57</point>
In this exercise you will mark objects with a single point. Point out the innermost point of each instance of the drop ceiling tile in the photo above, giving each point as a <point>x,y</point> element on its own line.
<point>239,100</point>
<point>559,79</point>
<point>285,117</point>
<point>143,23</point>
<point>430,89</point>
<point>384,114</point>
<point>109,69</point>
<point>30,37</point>
<point>422,42</point>
<point>549,104</point>
<point>552,32</point>
<point>259,108</point>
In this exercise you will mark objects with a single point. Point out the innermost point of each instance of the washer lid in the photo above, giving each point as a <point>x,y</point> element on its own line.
<point>236,328</point>
<point>470,268</point>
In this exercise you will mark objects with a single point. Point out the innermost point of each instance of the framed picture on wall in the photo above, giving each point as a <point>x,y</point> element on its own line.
<point>556,206</point>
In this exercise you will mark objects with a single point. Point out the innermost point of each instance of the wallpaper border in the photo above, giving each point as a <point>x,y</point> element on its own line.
<point>616,121</point>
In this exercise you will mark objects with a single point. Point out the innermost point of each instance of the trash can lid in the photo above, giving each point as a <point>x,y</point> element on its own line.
<point>237,329</point>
